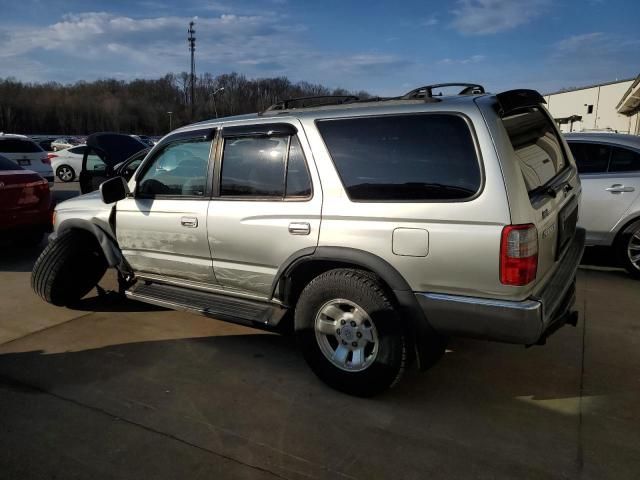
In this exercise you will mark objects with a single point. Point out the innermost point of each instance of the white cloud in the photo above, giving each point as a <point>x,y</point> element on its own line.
<point>482,17</point>
<point>257,45</point>
<point>462,61</point>
<point>430,21</point>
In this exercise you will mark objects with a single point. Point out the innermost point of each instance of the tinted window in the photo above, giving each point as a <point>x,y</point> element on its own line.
<point>590,157</point>
<point>77,150</point>
<point>180,169</point>
<point>15,145</point>
<point>537,146</point>
<point>6,164</point>
<point>95,163</point>
<point>253,167</point>
<point>298,180</point>
<point>403,157</point>
<point>624,160</point>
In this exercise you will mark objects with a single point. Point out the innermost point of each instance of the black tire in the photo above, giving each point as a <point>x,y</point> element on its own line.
<point>626,246</point>
<point>68,268</point>
<point>60,173</point>
<point>366,291</point>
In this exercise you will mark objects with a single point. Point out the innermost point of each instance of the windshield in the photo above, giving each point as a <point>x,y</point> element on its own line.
<point>537,146</point>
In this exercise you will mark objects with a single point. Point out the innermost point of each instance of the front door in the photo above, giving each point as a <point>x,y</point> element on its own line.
<point>265,206</point>
<point>162,227</point>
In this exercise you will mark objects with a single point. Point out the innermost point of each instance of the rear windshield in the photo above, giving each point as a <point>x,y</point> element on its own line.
<point>6,164</point>
<point>17,145</point>
<point>419,157</point>
<point>537,146</point>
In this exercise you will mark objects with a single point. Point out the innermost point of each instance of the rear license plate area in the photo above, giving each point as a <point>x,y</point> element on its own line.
<point>23,162</point>
<point>567,221</point>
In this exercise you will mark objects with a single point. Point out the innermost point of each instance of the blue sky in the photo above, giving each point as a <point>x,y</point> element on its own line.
<point>383,47</point>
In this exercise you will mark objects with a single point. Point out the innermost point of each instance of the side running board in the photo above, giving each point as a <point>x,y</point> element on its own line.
<point>221,307</point>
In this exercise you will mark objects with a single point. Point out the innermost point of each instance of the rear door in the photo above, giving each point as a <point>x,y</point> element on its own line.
<point>610,178</point>
<point>265,206</point>
<point>550,178</point>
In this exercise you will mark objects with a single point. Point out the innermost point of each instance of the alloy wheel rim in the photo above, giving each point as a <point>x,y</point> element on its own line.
<point>633,249</point>
<point>346,335</point>
<point>65,174</point>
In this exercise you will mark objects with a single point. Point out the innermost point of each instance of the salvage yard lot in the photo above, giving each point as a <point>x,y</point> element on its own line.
<point>118,389</point>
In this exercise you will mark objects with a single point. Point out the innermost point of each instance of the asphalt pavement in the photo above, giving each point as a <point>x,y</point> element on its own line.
<point>117,389</point>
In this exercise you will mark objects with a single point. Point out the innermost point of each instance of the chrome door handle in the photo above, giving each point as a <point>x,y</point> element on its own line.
<point>299,228</point>
<point>189,222</point>
<point>619,188</point>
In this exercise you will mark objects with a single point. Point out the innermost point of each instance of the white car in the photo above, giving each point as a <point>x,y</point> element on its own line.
<point>26,153</point>
<point>609,167</point>
<point>63,143</point>
<point>67,163</point>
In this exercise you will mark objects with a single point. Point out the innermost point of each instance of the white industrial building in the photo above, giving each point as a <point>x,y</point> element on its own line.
<point>612,106</point>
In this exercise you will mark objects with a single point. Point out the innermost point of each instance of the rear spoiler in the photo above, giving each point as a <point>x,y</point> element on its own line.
<point>513,100</point>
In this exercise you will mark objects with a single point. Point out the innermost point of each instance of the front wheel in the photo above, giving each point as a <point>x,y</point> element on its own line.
<point>65,173</point>
<point>68,268</point>
<point>350,333</point>
<point>629,249</point>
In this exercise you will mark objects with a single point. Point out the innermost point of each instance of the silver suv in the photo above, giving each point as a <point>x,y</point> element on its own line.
<point>609,167</point>
<point>375,228</point>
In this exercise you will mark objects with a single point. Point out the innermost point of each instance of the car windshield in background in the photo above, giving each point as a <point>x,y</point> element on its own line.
<point>423,157</point>
<point>537,146</point>
<point>6,164</point>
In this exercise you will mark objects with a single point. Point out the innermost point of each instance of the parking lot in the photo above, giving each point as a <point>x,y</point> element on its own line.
<point>118,389</point>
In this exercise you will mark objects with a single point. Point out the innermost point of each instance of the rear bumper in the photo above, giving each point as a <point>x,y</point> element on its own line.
<point>525,322</point>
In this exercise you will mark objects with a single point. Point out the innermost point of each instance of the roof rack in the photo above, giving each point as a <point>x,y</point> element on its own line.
<point>314,101</point>
<point>427,90</point>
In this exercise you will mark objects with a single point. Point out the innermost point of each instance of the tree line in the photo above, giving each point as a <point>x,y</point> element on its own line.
<point>140,106</point>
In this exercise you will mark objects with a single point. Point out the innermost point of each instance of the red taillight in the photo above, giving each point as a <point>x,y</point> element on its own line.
<point>518,254</point>
<point>47,159</point>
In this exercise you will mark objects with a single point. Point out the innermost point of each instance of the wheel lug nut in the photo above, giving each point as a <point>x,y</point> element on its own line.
<point>358,334</point>
<point>342,322</point>
<point>354,344</point>
<point>353,324</point>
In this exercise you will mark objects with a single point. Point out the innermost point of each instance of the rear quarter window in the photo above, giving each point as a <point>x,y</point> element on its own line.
<point>537,146</point>
<point>17,145</point>
<point>419,157</point>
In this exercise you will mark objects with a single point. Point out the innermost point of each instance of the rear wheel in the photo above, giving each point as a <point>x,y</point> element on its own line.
<point>68,268</point>
<point>65,173</point>
<point>350,333</point>
<point>628,249</point>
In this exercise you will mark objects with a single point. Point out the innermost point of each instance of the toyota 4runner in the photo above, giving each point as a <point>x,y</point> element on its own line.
<point>376,228</point>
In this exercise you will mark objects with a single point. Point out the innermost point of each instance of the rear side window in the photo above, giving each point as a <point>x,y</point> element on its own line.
<point>590,157</point>
<point>624,160</point>
<point>537,146</point>
<point>15,145</point>
<point>264,167</point>
<point>78,150</point>
<point>420,157</point>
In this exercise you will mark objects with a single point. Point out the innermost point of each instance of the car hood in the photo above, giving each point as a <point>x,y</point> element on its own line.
<point>88,201</point>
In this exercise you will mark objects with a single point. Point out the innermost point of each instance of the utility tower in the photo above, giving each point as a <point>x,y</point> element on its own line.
<point>192,48</point>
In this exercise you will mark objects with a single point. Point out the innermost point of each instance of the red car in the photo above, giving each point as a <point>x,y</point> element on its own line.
<point>25,204</point>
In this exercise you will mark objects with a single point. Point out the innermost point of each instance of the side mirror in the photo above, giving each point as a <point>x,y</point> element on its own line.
<point>114,189</point>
